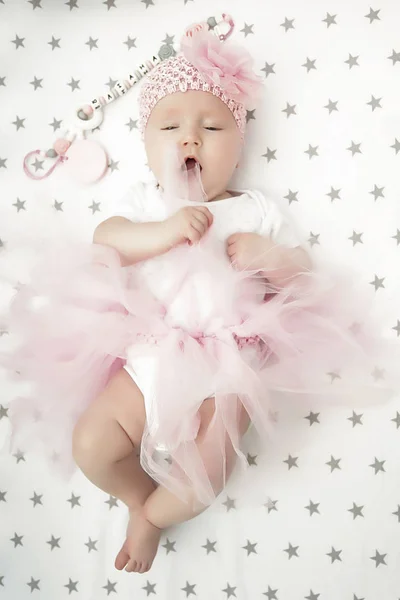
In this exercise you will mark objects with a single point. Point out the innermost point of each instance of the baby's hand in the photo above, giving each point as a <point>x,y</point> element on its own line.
<point>249,251</point>
<point>188,224</point>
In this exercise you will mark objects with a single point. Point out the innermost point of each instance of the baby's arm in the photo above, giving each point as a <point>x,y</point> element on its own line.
<point>140,241</point>
<point>134,241</point>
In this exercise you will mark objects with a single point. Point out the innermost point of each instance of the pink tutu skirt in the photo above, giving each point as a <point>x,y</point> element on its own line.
<point>84,316</point>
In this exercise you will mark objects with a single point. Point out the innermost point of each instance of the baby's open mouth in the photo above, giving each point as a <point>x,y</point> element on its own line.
<point>190,163</point>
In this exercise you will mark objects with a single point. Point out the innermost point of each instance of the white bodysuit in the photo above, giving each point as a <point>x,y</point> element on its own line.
<point>246,211</point>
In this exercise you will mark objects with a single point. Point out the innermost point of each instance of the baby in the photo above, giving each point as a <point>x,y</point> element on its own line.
<point>208,413</point>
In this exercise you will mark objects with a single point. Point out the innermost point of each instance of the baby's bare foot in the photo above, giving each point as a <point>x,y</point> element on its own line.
<point>140,546</point>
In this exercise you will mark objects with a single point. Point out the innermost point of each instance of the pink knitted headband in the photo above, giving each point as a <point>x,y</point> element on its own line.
<point>208,64</point>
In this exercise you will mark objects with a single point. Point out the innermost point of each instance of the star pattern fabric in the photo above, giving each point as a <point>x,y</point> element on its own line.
<point>326,143</point>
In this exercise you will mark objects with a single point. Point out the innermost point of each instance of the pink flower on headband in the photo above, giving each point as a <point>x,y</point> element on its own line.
<point>225,64</point>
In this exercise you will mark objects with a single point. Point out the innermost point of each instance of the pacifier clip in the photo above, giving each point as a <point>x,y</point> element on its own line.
<point>87,160</point>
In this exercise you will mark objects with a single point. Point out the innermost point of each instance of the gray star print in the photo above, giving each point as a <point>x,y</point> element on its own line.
<point>35,3</point>
<point>313,418</point>
<point>209,546</point>
<point>17,539</point>
<point>378,558</point>
<point>378,283</point>
<point>334,463</point>
<point>71,585</point>
<point>55,124</point>
<point>313,239</point>
<point>169,546</point>
<point>313,508</point>
<point>37,83</point>
<point>148,3</point>
<point>230,591</point>
<point>3,409</point>
<point>74,84</point>
<point>72,4</point>
<point>312,151</point>
<point>36,499</point>
<point>394,237</point>
<point>3,81</point>
<point>395,420</point>
<point>3,496</point>
<point>354,148</point>
<point>189,589</point>
<point>112,502</point>
<point>19,123</point>
<point>356,510</point>
<point>310,64</point>
<point>352,61</point>
<point>19,456</point>
<point>20,205</point>
<point>373,15</point>
<point>54,542</point>
<point>271,505</point>
<point>289,110</point>
<point>270,155</point>
<point>95,207</point>
<point>395,57</point>
<point>18,42</point>
<point>396,145</point>
<point>58,206</point>
<point>247,29</point>
<point>268,69</point>
<point>312,596</point>
<point>113,165</point>
<point>292,551</point>
<point>375,103</point>
<point>334,194</point>
<point>132,124</point>
<point>150,588</point>
<point>251,460</point>
<point>110,587</point>
<point>331,106</point>
<point>91,545</point>
<point>334,554</point>
<point>131,43</point>
<point>292,197</point>
<point>38,164</point>
<point>355,419</point>
<point>169,39</point>
<point>34,583</point>
<point>271,594</point>
<point>397,513</point>
<point>356,238</point>
<point>250,548</point>
<point>55,43</point>
<point>288,24</point>
<point>74,500</point>
<point>330,20</point>
<point>92,43</point>
<point>292,461</point>
<point>377,465</point>
<point>377,192</point>
<point>229,503</point>
<point>250,115</point>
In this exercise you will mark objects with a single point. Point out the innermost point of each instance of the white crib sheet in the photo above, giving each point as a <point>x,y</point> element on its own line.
<point>325,143</point>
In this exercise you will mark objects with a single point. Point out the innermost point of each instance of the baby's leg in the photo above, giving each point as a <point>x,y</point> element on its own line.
<point>106,440</point>
<point>163,509</point>
<point>105,443</point>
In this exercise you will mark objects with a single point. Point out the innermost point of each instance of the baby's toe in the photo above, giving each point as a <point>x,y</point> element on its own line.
<point>131,566</point>
<point>121,560</point>
<point>143,567</point>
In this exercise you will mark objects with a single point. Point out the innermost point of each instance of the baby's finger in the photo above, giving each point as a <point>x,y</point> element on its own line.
<point>231,249</point>
<point>232,239</point>
<point>199,226</point>
<point>193,235</point>
<point>205,211</point>
<point>202,220</point>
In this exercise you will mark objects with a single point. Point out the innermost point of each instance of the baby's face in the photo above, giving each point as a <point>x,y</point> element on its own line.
<point>201,125</point>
